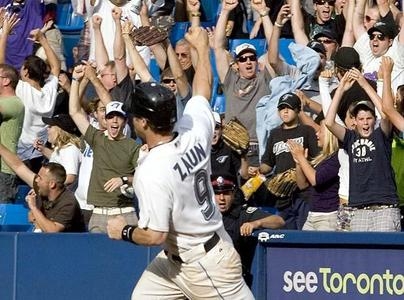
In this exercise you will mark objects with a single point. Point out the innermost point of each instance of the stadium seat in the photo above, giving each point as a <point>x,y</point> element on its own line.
<point>259,44</point>
<point>284,50</point>
<point>154,69</point>
<point>22,191</point>
<point>209,9</point>
<point>67,20</point>
<point>13,214</point>
<point>218,101</point>
<point>178,31</point>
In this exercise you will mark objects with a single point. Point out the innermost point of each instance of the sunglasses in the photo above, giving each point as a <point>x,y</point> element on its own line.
<point>323,2</point>
<point>243,59</point>
<point>168,80</point>
<point>327,41</point>
<point>379,36</point>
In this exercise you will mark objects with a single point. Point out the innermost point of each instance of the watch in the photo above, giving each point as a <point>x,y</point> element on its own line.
<point>124,179</point>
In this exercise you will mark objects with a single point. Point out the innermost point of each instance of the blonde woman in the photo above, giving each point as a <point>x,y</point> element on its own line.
<point>65,150</point>
<point>322,174</point>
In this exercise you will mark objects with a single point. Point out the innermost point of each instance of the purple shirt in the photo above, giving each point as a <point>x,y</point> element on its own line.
<point>30,14</point>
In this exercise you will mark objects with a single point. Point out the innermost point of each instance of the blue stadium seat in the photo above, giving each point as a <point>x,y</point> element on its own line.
<point>209,9</point>
<point>259,44</point>
<point>154,69</point>
<point>178,31</point>
<point>218,101</point>
<point>284,50</point>
<point>22,191</point>
<point>67,20</point>
<point>13,214</point>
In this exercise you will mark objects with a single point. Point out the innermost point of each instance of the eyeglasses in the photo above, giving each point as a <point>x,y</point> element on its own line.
<point>327,41</point>
<point>184,55</point>
<point>323,2</point>
<point>379,36</point>
<point>168,80</point>
<point>243,59</point>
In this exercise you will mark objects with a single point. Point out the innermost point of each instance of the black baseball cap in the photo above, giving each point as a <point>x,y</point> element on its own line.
<point>291,100</point>
<point>64,121</point>
<point>347,58</point>
<point>317,46</point>
<point>364,105</point>
<point>326,33</point>
<point>386,29</point>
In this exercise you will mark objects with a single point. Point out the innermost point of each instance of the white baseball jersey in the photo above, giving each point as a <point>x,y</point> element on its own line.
<point>173,185</point>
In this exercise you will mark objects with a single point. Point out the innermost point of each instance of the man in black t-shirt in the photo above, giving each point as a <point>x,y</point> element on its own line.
<point>240,220</point>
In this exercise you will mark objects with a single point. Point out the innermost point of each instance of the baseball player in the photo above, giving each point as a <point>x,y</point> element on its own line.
<point>176,200</point>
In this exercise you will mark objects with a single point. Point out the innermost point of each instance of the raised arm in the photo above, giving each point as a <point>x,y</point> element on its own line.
<point>139,65</point>
<point>337,129</point>
<point>119,47</point>
<point>202,83</point>
<point>348,38</point>
<point>273,51</point>
<point>179,75</point>
<point>103,94</point>
<point>262,10</point>
<point>297,23</point>
<point>222,59</point>
<point>101,54</point>
<point>8,24</point>
<point>38,36</point>
<point>388,100</point>
<point>194,15</point>
<point>358,17</point>
<point>75,110</point>
<point>15,163</point>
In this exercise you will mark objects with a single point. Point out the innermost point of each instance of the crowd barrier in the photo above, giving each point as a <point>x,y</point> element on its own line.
<point>288,265</point>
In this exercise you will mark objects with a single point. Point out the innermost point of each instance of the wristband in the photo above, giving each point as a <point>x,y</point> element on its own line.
<point>126,233</point>
<point>195,14</point>
<point>124,179</point>
<point>278,25</point>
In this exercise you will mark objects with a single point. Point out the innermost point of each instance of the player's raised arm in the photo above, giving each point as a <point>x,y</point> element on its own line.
<point>202,83</point>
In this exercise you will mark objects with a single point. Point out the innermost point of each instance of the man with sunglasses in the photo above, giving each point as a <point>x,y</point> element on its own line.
<point>242,86</point>
<point>329,40</point>
<point>323,20</point>
<point>378,41</point>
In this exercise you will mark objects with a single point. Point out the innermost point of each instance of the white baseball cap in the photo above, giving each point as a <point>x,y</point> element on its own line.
<point>217,118</point>
<point>245,47</point>
<point>114,107</point>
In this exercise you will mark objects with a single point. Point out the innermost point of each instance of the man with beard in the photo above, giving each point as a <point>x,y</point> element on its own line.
<point>53,208</point>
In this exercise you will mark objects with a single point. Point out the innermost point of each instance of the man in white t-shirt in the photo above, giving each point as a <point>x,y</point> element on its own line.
<point>176,200</point>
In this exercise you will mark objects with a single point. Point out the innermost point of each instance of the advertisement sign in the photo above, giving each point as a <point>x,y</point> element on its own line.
<point>334,273</point>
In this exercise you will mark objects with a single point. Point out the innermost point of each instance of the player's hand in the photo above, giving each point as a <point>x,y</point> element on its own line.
<point>9,22</point>
<point>36,35</point>
<point>115,226</point>
<point>112,184</point>
<point>386,67</point>
<point>246,229</point>
<point>78,72</point>
<point>259,6</point>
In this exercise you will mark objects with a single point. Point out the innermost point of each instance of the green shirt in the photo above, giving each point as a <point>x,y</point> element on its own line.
<point>112,158</point>
<point>12,111</point>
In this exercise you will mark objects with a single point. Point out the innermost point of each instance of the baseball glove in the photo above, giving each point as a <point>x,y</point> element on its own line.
<point>148,35</point>
<point>283,184</point>
<point>235,135</point>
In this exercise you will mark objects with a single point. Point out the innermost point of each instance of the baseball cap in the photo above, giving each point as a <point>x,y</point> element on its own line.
<point>291,100</point>
<point>243,48</point>
<point>386,29</point>
<point>64,121</point>
<point>316,46</point>
<point>367,105</point>
<point>347,58</point>
<point>326,33</point>
<point>114,107</point>
<point>222,184</point>
<point>218,119</point>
